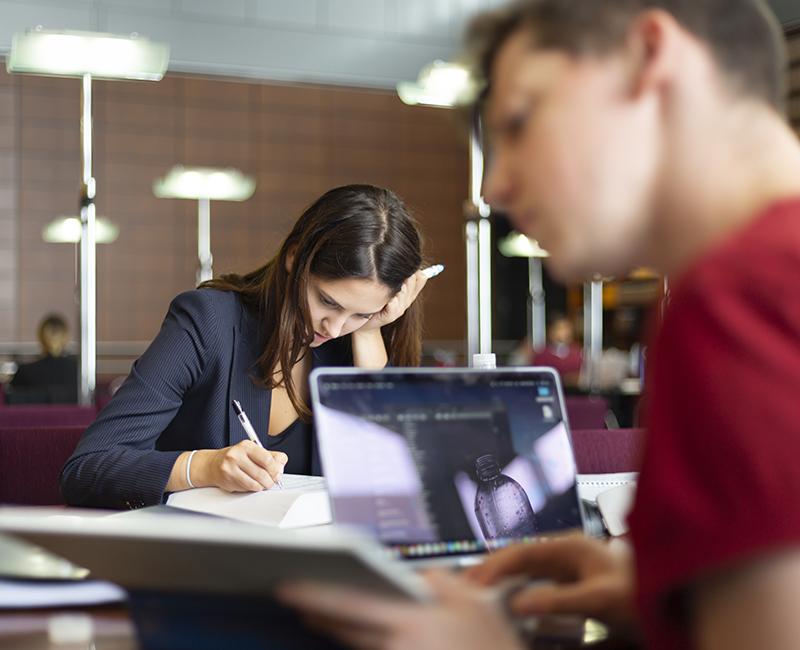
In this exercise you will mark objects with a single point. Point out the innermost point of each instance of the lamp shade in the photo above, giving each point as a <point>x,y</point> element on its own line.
<point>74,54</point>
<point>440,83</point>
<point>67,230</point>
<point>205,183</point>
<point>516,244</point>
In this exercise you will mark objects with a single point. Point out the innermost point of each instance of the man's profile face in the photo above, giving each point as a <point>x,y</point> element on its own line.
<point>572,155</point>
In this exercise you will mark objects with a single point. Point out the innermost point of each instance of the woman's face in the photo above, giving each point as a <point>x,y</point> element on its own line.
<point>339,307</point>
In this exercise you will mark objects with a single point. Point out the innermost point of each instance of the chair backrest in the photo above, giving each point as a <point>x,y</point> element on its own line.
<point>102,396</point>
<point>31,459</point>
<point>586,412</point>
<point>56,394</point>
<point>604,451</point>
<point>45,415</point>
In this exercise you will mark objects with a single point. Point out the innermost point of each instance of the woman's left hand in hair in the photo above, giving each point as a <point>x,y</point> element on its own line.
<point>398,305</point>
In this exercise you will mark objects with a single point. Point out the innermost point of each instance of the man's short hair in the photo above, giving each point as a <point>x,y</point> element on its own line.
<point>743,36</point>
<point>53,323</point>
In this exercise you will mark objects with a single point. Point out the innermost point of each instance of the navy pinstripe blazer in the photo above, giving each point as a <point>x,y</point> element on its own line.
<point>177,398</point>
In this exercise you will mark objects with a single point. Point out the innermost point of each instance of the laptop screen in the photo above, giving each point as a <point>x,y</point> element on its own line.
<point>446,462</point>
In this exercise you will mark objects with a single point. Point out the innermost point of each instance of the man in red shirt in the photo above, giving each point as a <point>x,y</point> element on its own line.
<point>649,132</point>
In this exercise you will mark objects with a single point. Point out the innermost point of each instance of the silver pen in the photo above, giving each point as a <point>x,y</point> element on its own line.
<point>248,429</point>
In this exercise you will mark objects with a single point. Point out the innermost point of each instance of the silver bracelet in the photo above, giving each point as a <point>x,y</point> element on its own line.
<point>189,469</point>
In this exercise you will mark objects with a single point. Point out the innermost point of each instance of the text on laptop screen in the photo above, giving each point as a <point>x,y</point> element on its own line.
<point>446,463</point>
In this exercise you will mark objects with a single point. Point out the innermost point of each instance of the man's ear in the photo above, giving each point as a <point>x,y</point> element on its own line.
<point>650,46</point>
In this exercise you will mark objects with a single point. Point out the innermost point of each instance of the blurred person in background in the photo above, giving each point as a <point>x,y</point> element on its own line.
<point>53,378</point>
<point>562,352</point>
<point>625,133</point>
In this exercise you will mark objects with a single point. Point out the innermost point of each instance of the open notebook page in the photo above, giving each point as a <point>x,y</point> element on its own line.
<point>303,501</point>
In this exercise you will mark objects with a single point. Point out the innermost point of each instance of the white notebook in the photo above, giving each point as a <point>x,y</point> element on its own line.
<point>590,485</point>
<point>303,501</point>
<point>613,494</point>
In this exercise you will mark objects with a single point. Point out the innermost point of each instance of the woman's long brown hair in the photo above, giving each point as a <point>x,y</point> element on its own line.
<point>354,231</point>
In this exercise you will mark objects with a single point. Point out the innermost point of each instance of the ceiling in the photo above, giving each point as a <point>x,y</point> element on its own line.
<point>373,43</point>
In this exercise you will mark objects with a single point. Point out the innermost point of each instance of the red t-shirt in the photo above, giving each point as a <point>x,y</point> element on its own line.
<point>570,364</point>
<point>720,482</point>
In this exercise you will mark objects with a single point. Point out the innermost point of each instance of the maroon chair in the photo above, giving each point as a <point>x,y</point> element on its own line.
<point>586,412</point>
<point>47,415</point>
<point>102,394</point>
<point>31,459</point>
<point>604,451</point>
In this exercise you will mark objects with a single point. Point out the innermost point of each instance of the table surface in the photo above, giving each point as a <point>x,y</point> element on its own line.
<point>113,630</point>
<point>27,630</point>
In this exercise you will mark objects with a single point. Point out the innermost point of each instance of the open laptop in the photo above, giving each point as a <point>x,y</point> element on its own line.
<point>441,465</point>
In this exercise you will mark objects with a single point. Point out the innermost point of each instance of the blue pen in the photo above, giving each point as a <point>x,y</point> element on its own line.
<point>248,429</point>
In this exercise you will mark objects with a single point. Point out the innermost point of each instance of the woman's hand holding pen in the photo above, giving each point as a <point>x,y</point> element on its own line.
<point>243,467</point>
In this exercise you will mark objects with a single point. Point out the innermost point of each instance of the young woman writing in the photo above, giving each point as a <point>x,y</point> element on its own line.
<point>340,291</point>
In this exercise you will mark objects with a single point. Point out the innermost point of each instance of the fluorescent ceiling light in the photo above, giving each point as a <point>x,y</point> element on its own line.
<point>516,244</point>
<point>440,84</point>
<point>74,54</point>
<point>643,273</point>
<point>67,230</point>
<point>205,183</point>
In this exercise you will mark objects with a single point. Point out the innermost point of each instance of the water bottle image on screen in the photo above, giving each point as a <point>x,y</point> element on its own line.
<point>501,505</point>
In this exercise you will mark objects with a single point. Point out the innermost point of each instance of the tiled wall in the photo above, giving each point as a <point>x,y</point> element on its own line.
<point>297,141</point>
<point>9,226</point>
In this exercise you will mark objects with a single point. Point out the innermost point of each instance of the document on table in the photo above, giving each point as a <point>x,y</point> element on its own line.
<point>26,594</point>
<point>303,501</point>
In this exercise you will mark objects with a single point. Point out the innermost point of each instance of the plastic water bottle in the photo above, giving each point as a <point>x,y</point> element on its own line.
<point>501,505</point>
